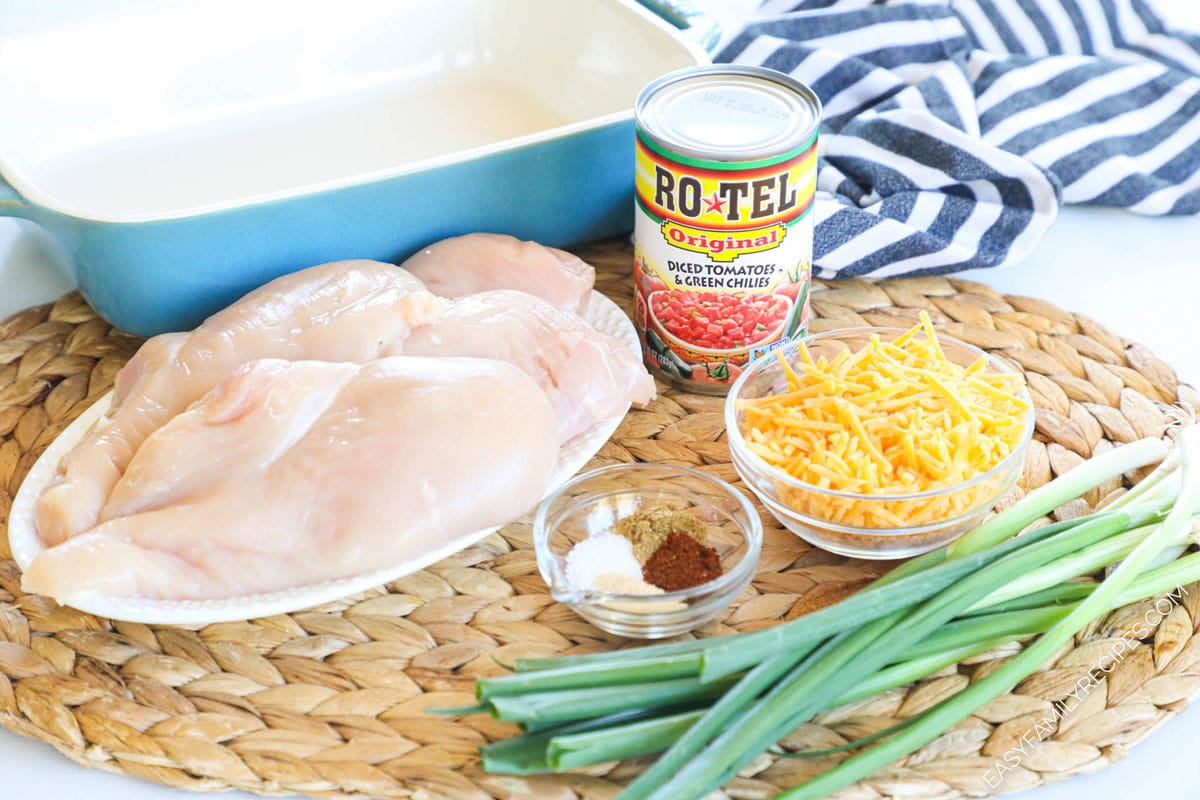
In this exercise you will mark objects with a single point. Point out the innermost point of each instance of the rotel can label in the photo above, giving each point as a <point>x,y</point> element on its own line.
<point>726,171</point>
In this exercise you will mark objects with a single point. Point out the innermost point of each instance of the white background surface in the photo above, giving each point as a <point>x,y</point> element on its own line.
<point>1140,276</point>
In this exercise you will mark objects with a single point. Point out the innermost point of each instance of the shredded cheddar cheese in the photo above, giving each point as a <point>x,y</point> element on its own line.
<point>893,418</point>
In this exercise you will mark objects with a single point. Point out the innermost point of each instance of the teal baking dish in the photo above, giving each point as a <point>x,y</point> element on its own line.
<point>182,152</point>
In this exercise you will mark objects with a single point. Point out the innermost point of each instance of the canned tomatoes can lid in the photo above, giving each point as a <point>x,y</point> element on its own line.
<point>728,112</point>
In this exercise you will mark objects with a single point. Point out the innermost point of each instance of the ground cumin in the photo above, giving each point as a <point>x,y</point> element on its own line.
<point>648,529</point>
<point>681,562</point>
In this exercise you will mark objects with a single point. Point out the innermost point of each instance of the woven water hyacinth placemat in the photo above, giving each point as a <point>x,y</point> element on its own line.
<point>329,701</point>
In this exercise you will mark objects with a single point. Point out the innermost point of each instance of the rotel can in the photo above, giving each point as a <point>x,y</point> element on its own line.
<point>726,171</point>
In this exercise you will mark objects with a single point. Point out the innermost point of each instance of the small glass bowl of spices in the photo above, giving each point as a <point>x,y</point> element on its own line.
<point>647,550</point>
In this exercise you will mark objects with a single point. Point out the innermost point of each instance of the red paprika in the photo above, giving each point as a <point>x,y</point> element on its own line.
<point>681,563</point>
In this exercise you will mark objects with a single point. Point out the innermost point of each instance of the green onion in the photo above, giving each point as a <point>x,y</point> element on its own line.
<point>528,754</point>
<point>573,704</point>
<point>636,669</point>
<point>612,741</point>
<point>577,747</point>
<point>570,751</point>
<point>1044,499</point>
<point>1014,625</point>
<point>1084,562</point>
<point>993,532</point>
<point>868,649</point>
<point>1032,550</point>
<point>954,709</point>
<point>711,722</point>
<point>916,668</point>
<point>714,704</point>
<point>1166,578</point>
<point>1062,594</point>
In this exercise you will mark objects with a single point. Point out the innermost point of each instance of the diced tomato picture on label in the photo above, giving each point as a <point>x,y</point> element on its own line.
<point>646,280</point>
<point>640,313</point>
<point>716,372</point>
<point>790,289</point>
<point>719,320</point>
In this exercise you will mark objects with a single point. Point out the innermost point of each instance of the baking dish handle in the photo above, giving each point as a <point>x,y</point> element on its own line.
<point>12,204</point>
<point>694,23</point>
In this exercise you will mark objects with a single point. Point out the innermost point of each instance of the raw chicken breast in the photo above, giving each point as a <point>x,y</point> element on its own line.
<point>342,311</point>
<point>588,375</point>
<point>291,473</point>
<point>479,262</point>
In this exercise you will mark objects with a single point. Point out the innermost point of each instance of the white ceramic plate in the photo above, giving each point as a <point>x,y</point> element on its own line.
<point>602,313</point>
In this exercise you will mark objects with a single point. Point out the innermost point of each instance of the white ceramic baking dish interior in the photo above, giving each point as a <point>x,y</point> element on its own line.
<point>180,153</point>
<point>158,109</point>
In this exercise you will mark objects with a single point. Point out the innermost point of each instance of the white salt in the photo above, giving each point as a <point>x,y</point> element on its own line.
<point>598,554</point>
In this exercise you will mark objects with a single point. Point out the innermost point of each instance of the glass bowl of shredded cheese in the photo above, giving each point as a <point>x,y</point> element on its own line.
<point>647,550</point>
<point>879,442</point>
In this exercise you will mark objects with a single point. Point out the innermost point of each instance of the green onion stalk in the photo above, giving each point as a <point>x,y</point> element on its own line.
<point>617,737</point>
<point>949,712</point>
<point>713,705</point>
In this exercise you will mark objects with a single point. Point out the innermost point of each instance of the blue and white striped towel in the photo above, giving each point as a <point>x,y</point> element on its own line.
<point>954,129</point>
